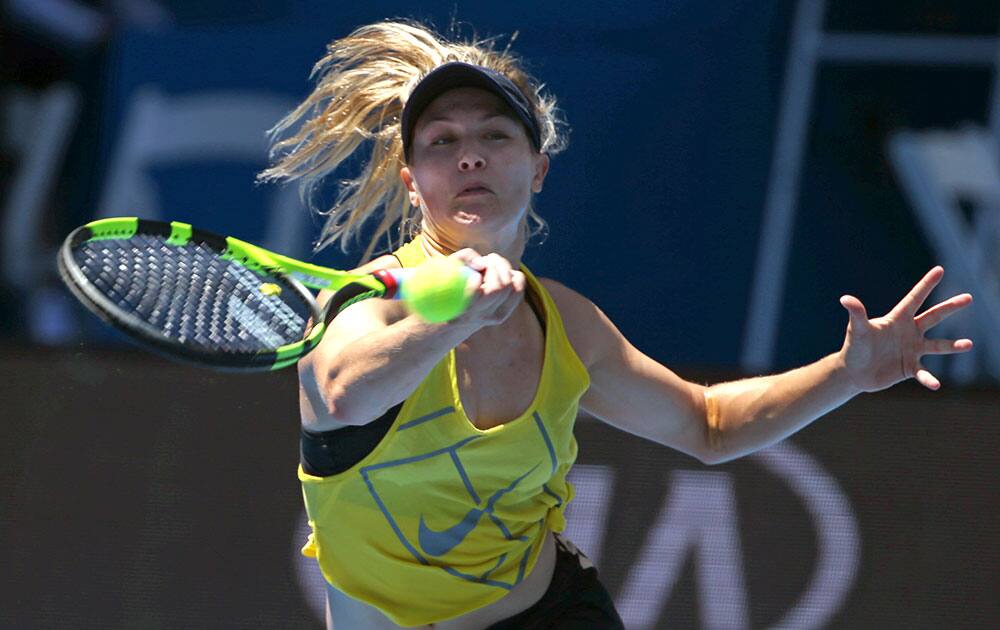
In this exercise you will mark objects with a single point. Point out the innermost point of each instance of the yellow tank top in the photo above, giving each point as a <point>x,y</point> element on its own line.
<point>442,518</point>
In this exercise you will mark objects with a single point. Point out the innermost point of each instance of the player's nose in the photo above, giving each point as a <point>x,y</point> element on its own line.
<point>470,161</point>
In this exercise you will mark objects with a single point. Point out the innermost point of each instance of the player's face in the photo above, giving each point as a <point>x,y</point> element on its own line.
<point>472,167</point>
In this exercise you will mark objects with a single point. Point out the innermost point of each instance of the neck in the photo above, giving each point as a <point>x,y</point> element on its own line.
<point>436,244</point>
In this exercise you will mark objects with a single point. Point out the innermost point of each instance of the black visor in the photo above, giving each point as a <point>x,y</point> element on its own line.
<point>457,74</point>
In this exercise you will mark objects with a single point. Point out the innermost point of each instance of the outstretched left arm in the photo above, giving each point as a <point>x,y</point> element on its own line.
<point>728,420</point>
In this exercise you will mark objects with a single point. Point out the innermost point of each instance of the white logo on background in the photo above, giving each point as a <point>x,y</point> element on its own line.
<point>698,519</point>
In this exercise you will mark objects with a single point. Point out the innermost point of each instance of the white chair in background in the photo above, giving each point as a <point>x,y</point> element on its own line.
<point>812,47</point>
<point>939,171</point>
<point>220,125</point>
<point>38,127</point>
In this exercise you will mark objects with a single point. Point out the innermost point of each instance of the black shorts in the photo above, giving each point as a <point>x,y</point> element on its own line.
<point>575,599</point>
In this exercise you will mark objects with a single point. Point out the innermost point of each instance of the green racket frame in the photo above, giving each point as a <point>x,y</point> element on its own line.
<point>348,287</point>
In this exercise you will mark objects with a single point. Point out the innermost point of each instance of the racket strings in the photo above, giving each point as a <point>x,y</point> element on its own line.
<point>190,294</point>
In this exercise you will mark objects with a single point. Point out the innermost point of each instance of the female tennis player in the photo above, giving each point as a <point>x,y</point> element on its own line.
<point>435,455</point>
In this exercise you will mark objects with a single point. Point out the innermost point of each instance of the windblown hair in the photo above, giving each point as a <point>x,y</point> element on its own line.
<point>362,83</point>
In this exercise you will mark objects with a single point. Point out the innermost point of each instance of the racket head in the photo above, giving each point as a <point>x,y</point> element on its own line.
<point>187,294</point>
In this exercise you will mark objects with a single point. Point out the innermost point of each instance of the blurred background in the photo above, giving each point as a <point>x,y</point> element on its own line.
<point>760,159</point>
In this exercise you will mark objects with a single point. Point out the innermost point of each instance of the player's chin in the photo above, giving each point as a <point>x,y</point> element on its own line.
<point>472,214</point>
<point>467,219</point>
<point>484,217</point>
<point>483,210</point>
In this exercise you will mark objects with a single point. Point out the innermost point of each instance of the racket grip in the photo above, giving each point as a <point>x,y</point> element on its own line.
<point>393,280</point>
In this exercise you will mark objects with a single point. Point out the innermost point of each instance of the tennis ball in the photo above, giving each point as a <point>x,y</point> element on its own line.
<point>436,290</point>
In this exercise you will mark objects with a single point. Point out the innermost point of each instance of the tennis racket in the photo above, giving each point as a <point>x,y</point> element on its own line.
<point>212,300</point>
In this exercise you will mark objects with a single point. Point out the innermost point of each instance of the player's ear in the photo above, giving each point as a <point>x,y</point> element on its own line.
<point>541,170</point>
<point>411,186</point>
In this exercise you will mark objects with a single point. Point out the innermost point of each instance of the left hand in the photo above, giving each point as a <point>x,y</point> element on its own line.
<point>883,351</point>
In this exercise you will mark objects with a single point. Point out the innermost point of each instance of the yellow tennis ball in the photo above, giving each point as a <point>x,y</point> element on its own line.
<point>437,289</point>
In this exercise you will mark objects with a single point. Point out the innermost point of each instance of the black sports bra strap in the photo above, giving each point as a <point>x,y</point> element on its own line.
<point>326,453</point>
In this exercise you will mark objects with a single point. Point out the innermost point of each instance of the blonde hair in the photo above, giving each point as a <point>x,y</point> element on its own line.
<point>362,83</point>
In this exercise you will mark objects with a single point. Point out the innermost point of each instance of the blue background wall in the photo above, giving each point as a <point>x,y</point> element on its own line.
<point>656,206</point>
<point>140,493</point>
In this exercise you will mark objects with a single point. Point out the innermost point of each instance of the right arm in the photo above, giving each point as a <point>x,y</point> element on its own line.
<point>375,354</point>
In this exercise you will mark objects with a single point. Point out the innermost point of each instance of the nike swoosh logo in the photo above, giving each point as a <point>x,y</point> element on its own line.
<point>436,543</point>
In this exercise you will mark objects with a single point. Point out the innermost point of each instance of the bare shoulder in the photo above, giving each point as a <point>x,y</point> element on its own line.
<point>568,300</point>
<point>385,310</point>
<point>387,261</point>
<point>382,262</point>
<point>587,328</point>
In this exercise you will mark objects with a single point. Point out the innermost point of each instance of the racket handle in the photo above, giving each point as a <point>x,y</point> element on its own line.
<point>393,279</point>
